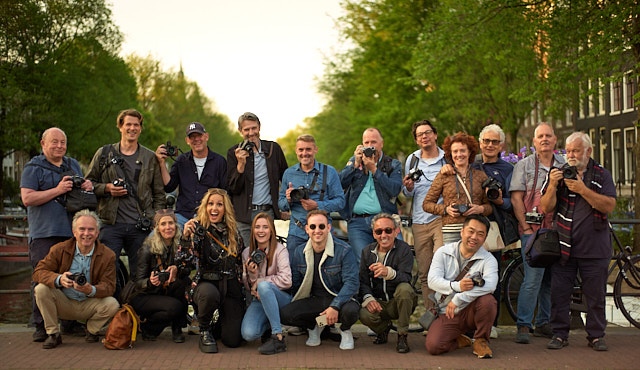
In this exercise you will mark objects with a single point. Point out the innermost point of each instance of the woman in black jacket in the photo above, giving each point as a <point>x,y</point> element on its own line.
<point>160,285</point>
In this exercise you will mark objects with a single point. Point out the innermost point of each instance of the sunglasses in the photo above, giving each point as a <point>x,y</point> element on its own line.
<point>320,226</point>
<point>387,230</point>
<point>489,141</point>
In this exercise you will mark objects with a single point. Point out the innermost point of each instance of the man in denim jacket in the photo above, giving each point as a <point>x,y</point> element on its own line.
<point>325,280</point>
<point>466,304</point>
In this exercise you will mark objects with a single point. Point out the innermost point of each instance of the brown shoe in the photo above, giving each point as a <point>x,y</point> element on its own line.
<point>52,341</point>
<point>463,341</point>
<point>403,344</point>
<point>481,348</point>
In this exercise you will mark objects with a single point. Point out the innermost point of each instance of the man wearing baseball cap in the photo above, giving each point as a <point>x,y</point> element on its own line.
<point>195,171</point>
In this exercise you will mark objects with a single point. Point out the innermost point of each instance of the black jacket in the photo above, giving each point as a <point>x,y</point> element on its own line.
<point>399,258</point>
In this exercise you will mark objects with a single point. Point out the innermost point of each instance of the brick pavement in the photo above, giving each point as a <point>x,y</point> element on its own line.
<point>17,351</point>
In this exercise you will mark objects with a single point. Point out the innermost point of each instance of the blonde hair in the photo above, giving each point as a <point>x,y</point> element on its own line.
<point>155,241</point>
<point>229,217</point>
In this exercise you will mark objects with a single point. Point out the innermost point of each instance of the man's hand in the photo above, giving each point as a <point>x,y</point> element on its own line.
<point>369,163</point>
<point>357,155</point>
<point>576,186</point>
<point>285,215</point>
<point>466,284</point>
<point>161,154</point>
<point>115,191</point>
<point>408,183</point>
<point>65,185</point>
<point>451,310</point>
<point>309,204</point>
<point>374,307</point>
<point>498,201</point>
<point>241,156</point>
<point>555,175</point>
<point>378,269</point>
<point>288,192</point>
<point>332,315</point>
<point>65,281</point>
<point>87,185</point>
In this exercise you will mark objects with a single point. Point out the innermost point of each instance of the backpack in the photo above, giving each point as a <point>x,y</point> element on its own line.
<point>123,329</point>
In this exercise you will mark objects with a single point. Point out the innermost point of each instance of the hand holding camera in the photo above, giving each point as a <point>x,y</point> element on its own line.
<point>117,188</point>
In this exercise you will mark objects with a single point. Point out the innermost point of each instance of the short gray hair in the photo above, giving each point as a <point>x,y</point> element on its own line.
<point>86,212</point>
<point>579,135</point>
<point>495,129</point>
<point>394,218</point>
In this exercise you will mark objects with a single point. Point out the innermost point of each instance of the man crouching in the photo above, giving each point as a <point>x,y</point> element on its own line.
<point>464,276</point>
<point>76,281</point>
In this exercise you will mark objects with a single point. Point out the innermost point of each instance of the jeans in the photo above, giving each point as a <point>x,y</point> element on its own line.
<point>181,221</point>
<point>264,312</point>
<point>427,238</point>
<point>127,236</point>
<point>293,243</point>
<point>536,288</point>
<point>303,312</point>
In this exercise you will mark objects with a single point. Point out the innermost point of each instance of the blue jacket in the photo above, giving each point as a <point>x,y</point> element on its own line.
<point>387,181</point>
<point>338,271</point>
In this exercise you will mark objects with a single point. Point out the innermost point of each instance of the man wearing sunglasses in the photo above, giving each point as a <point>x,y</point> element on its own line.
<point>385,276</point>
<point>371,181</point>
<point>325,281</point>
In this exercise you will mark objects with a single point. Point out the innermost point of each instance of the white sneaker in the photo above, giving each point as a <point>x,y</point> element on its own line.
<point>314,336</point>
<point>494,333</point>
<point>294,330</point>
<point>347,339</point>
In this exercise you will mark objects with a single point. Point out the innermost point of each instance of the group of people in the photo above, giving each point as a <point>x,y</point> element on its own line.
<point>248,285</point>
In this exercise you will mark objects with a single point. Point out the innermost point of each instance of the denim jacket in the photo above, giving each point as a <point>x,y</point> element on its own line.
<point>339,271</point>
<point>387,181</point>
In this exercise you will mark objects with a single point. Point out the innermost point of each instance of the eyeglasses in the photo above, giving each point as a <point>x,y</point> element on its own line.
<point>489,141</point>
<point>387,230</point>
<point>424,133</point>
<point>320,226</point>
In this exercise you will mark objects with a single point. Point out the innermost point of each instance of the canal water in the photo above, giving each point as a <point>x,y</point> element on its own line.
<point>16,307</point>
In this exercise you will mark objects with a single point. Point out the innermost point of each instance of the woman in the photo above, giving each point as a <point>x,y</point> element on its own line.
<point>214,239</point>
<point>461,190</point>
<point>160,285</point>
<point>267,280</point>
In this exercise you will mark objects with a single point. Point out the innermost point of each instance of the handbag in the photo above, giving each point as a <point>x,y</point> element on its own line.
<point>78,199</point>
<point>493,242</point>
<point>543,248</point>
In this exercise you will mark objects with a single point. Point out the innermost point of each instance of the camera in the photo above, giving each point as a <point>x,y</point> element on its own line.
<point>493,187</point>
<point>534,217</point>
<point>171,150</point>
<point>117,160</point>
<point>569,172</point>
<point>119,182</point>
<point>78,277</point>
<point>299,193</point>
<point>368,151</point>
<point>77,181</point>
<point>257,256</point>
<point>198,233</point>
<point>163,275</point>
<point>143,224</point>
<point>415,174</point>
<point>477,279</point>
<point>461,208</point>
<point>248,146</point>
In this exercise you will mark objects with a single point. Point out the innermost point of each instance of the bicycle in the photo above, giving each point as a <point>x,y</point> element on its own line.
<point>625,293</point>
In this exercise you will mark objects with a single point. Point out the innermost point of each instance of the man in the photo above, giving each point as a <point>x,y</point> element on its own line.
<point>196,171</point>
<point>427,228</point>
<point>253,178</point>
<point>526,184</point>
<point>307,186</point>
<point>385,282</point>
<point>62,293</point>
<point>582,202</point>
<point>466,302</point>
<point>371,181</point>
<point>129,186</point>
<point>45,179</point>
<point>325,279</point>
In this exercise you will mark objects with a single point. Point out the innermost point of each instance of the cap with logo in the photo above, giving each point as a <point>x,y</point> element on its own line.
<point>195,127</point>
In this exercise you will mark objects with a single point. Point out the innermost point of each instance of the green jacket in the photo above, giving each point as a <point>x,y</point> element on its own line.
<point>150,185</point>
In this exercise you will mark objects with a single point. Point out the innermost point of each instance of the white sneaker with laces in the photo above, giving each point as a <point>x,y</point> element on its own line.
<point>314,336</point>
<point>347,339</point>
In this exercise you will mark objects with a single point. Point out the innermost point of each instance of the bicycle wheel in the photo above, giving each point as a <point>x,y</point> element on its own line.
<point>511,281</point>
<point>626,291</point>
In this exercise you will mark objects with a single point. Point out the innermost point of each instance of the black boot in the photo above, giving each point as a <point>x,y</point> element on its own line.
<point>207,342</point>
<point>176,331</point>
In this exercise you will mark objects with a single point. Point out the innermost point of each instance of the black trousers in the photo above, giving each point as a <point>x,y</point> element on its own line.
<point>207,296</point>
<point>303,312</point>
<point>159,311</point>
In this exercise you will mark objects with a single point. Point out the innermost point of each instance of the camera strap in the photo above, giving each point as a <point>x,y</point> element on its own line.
<point>324,181</point>
<point>462,273</point>
<point>464,186</point>
<point>122,173</point>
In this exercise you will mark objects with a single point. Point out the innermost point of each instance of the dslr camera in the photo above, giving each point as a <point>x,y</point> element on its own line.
<point>368,151</point>
<point>120,182</point>
<point>163,275</point>
<point>77,181</point>
<point>248,146</point>
<point>415,174</point>
<point>171,150</point>
<point>493,187</point>
<point>143,224</point>
<point>534,217</point>
<point>569,172</point>
<point>78,277</point>
<point>257,256</point>
<point>199,233</point>
<point>299,193</point>
<point>461,208</point>
<point>477,279</point>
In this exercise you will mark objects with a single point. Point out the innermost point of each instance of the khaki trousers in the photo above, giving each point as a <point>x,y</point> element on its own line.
<point>399,307</point>
<point>54,305</point>
<point>427,238</point>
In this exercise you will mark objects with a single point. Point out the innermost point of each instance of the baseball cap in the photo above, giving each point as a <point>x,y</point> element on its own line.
<point>195,127</point>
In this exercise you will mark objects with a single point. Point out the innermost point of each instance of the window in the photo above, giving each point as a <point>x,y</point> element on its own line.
<point>629,158</point>
<point>630,89</point>
<point>592,99</point>
<point>601,98</point>
<point>617,159</point>
<point>616,97</point>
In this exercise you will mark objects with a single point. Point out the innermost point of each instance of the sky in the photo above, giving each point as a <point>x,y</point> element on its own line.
<point>261,56</point>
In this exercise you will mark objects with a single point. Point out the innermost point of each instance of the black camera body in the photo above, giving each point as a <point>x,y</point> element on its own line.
<point>248,146</point>
<point>299,193</point>
<point>257,256</point>
<point>120,182</point>
<point>534,217</point>
<point>171,150</point>
<point>199,233</point>
<point>569,172</point>
<point>368,151</point>
<point>143,224</point>
<point>415,174</point>
<point>461,208</point>
<point>77,181</point>
<point>163,275</point>
<point>477,279</point>
<point>493,187</point>
<point>117,160</point>
<point>78,277</point>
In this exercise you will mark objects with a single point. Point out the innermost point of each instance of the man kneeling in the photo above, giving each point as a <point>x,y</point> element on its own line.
<point>76,281</point>
<point>385,276</point>
<point>464,276</point>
